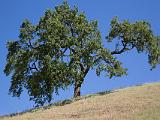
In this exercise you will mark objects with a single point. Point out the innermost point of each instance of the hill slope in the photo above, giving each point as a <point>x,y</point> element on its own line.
<point>134,103</point>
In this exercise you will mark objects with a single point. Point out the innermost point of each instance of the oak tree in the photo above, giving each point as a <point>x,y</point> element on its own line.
<point>60,50</point>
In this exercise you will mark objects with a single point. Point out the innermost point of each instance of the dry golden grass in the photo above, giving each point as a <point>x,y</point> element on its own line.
<point>134,103</point>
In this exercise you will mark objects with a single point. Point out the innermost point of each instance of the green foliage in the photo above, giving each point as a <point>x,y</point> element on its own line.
<point>56,53</point>
<point>137,35</point>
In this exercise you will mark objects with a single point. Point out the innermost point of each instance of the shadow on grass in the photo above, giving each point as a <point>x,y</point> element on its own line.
<point>105,92</point>
<point>69,101</point>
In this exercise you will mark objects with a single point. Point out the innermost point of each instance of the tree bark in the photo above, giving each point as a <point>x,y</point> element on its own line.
<point>78,83</point>
<point>77,89</point>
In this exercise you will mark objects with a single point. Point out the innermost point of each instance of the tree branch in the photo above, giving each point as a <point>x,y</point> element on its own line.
<point>123,49</point>
<point>86,71</point>
<point>34,67</point>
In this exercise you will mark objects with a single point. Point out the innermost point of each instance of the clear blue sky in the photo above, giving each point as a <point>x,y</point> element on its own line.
<point>13,12</point>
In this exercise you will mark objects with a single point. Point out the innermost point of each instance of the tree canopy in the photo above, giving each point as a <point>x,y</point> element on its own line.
<point>60,50</point>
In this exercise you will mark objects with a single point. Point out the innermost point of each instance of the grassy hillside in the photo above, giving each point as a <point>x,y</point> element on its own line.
<point>134,103</point>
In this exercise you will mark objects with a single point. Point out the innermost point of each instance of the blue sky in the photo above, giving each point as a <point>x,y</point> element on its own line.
<point>13,12</point>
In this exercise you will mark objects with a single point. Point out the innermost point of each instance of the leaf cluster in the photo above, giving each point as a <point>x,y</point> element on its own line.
<point>136,35</point>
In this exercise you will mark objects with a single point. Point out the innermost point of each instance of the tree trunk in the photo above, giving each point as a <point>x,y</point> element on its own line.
<point>77,89</point>
<point>78,83</point>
